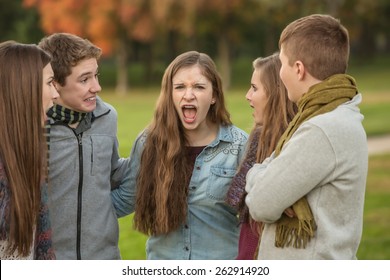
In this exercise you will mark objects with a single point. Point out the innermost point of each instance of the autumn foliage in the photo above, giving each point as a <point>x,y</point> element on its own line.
<point>103,22</point>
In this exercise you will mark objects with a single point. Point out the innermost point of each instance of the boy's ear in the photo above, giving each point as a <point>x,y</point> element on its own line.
<point>300,69</point>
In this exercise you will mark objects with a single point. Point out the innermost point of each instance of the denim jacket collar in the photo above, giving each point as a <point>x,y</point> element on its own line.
<point>224,134</point>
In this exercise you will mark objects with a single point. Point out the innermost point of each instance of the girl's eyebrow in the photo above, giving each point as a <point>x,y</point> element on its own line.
<point>196,83</point>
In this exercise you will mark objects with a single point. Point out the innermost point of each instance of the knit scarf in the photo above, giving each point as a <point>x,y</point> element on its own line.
<point>249,235</point>
<point>321,98</point>
<point>65,115</point>
<point>236,192</point>
<point>46,134</point>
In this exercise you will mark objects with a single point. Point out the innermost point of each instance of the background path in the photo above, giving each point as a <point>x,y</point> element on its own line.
<point>379,144</point>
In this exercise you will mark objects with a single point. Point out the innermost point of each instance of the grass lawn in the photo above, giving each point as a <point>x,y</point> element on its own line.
<point>375,243</point>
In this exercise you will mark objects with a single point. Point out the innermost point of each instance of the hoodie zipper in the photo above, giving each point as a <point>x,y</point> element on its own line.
<point>79,196</point>
<point>80,187</point>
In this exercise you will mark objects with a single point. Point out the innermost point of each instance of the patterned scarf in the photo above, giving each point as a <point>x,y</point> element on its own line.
<point>249,235</point>
<point>65,115</point>
<point>236,193</point>
<point>43,249</point>
<point>321,98</point>
<point>46,134</point>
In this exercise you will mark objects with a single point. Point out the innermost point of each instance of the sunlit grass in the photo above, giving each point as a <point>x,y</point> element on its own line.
<point>375,243</point>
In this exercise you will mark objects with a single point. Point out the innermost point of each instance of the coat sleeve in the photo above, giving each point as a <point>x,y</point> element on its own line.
<point>123,196</point>
<point>305,162</point>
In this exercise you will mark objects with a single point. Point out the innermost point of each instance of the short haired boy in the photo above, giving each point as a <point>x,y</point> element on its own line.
<point>319,167</point>
<point>84,158</point>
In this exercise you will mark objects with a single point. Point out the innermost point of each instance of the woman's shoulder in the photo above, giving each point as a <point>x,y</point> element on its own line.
<point>140,140</point>
<point>234,133</point>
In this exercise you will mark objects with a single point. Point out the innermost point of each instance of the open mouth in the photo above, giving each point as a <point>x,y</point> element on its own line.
<point>189,112</point>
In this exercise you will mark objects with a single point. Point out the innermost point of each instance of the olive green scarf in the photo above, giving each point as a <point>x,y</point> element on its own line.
<point>321,98</point>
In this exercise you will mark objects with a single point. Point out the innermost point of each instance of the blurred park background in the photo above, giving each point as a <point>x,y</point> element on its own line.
<point>139,38</point>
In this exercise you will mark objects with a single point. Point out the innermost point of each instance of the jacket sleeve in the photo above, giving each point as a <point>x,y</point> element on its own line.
<point>123,196</point>
<point>305,162</point>
<point>119,167</point>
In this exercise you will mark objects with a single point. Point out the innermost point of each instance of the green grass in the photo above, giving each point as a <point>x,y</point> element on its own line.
<point>131,243</point>
<point>372,80</point>
<point>376,117</point>
<point>135,111</point>
<point>375,243</point>
<point>371,75</point>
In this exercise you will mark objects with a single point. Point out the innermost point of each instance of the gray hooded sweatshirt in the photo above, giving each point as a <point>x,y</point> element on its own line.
<point>84,162</point>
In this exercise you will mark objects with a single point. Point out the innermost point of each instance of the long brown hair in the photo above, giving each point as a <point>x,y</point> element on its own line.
<point>22,145</point>
<point>278,112</point>
<point>162,185</point>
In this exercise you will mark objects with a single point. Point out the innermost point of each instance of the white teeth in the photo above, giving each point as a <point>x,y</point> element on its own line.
<point>188,106</point>
<point>90,99</point>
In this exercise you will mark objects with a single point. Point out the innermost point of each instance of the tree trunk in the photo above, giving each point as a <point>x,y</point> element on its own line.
<point>148,62</point>
<point>121,62</point>
<point>224,61</point>
<point>333,7</point>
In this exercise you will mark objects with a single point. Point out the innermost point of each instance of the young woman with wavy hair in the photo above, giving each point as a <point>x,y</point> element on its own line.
<point>182,166</point>
<point>272,113</point>
<point>26,93</point>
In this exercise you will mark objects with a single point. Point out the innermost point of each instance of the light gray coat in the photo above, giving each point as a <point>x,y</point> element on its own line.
<point>326,159</point>
<point>83,162</point>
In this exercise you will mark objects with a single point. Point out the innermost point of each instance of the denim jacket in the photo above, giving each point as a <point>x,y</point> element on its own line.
<point>211,228</point>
